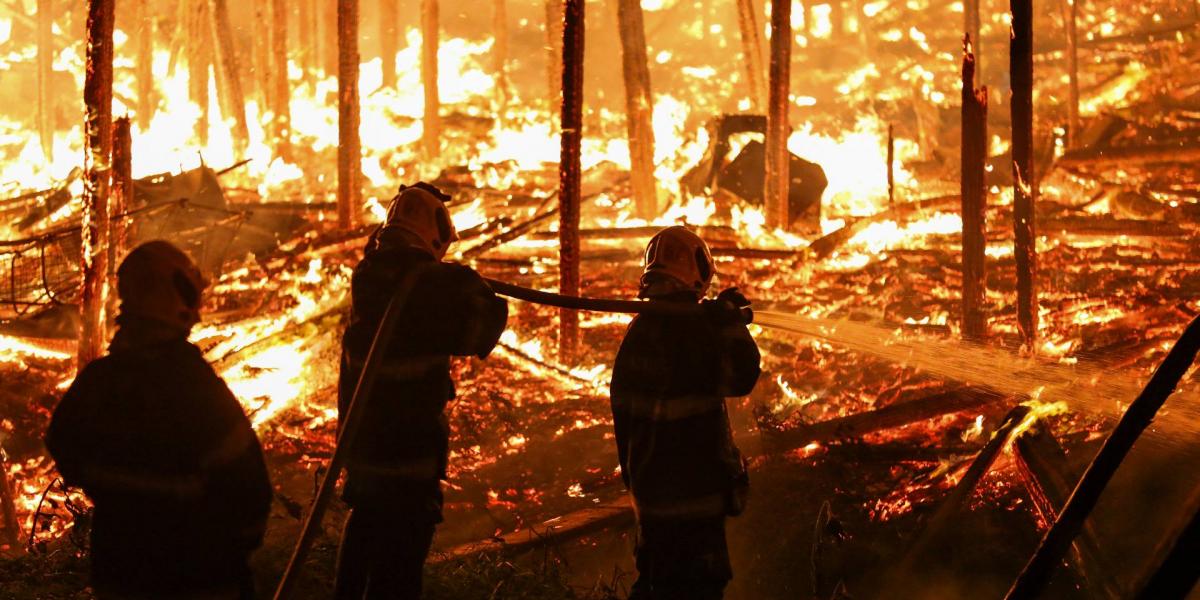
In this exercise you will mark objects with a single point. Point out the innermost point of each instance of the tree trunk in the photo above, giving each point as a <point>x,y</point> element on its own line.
<point>389,16</point>
<point>974,201</point>
<point>431,136</point>
<point>97,98</point>
<point>777,177</point>
<point>227,62</point>
<point>569,174</point>
<point>199,62</point>
<point>752,57</point>
<point>145,64</point>
<point>306,38</point>
<point>10,528</point>
<point>349,148</point>
<point>639,107</point>
<point>121,200</point>
<point>554,54</point>
<point>260,56</point>
<point>1070,12</point>
<point>330,39</point>
<point>500,55</point>
<point>45,71</point>
<point>972,21</point>
<point>281,88</point>
<point>1025,186</point>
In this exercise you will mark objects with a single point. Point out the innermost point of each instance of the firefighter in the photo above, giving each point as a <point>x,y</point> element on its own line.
<point>161,446</point>
<point>674,441</point>
<point>398,458</point>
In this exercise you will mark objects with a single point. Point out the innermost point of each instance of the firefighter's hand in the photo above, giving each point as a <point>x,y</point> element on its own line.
<point>729,308</point>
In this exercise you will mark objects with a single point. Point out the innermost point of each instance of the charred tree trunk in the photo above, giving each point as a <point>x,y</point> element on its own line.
<point>199,62</point>
<point>1024,179</point>
<point>281,89</point>
<point>122,193</point>
<point>389,16</point>
<point>97,98</point>
<point>752,57</point>
<point>431,136</point>
<point>45,71</point>
<point>349,148</point>
<point>777,177</point>
<point>569,174</point>
<point>639,107</point>
<point>144,63</point>
<point>227,62</point>
<point>1070,13</point>
<point>554,54</point>
<point>972,22</point>
<point>974,200</point>
<point>891,164</point>
<point>500,55</point>
<point>331,36</point>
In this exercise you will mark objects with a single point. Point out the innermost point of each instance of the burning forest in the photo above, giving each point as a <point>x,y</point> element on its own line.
<point>966,232</point>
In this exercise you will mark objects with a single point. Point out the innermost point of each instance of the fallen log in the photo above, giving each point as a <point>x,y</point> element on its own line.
<point>826,245</point>
<point>1183,151</point>
<point>888,417</point>
<point>708,232</point>
<point>616,513</point>
<point>509,234</point>
<point>1042,465</point>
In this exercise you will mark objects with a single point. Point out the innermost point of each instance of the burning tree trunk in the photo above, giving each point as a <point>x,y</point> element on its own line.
<point>1070,13</point>
<point>777,177</point>
<point>971,25</point>
<point>307,36</point>
<point>45,63</point>
<point>1024,181</point>
<point>389,15</point>
<point>974,200</point>
<point>97,97</point>
<point>122,196</point>
<point>227,64</point>
<point>554,53</point>
<point>639,107</point>
<point>431,136</point>
<point>330,39</point>
<point>260,54</point>
<point>145,63</point>
<point>569,174</point>
<point>349,149</point>
<point>500,54</point>
<point>281,90</point>
<point>752,58</point>
<point>199,60</point>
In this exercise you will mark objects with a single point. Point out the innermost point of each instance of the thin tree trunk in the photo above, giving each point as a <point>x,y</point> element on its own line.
<point>974,200</point>
<point>144,63</point>
<point>97,98</point>
<point>306,39</point>
<point>777,177</point>
<point>389,16</point>
<point>1025,182</point>
<point>121,199</point>
<point>752,56</point>
<point>349,148</point>
<point>570,173</point>
<point>554,54</point>
<point>972,22</point>
<point>227,62</point>
<point>500,55</point>
<point>431,137</point>
<point>639,107</point>
<point>45,71</point>
<point>199,62</point>
<point>260,55</point>
<point>330,40</point>
<point>1070,12</point>
<point>282,92</point>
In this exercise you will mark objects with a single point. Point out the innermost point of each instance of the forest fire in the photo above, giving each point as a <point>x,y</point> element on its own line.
<point>964,297</point>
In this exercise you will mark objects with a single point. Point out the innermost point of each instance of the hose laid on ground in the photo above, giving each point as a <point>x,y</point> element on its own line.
<point>641,307</point>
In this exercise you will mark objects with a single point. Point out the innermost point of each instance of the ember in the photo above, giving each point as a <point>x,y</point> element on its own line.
<point>971,282</point>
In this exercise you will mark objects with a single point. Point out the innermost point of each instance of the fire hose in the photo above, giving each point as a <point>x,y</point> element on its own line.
<point>353,418</point>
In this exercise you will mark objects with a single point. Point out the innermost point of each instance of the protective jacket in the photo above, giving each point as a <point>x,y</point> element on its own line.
<point>402,446</point>
<point>161,446</point>
<point>674,441</point>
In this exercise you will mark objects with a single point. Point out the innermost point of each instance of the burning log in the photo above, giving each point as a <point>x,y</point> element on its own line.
<point>509,234</point>
<point>954,503</point>
<point>569,173</point>
<point>97,97</point>
<point>349,146</point>
<point>775,194</point>
<point>888,417</point>
<point>1042,464</point>
<point>1036,574</point>
<point>639,107</point>
<point>500,54</point>
<point>281,95</point>
<point>227,65</point>
<point>389,14</point>
<point>826,245</point>
<point>144,63</point>
<point>45,62</point>
<point>1126,156</point>
<point>1070,15</point>
<point>752,58</point>
<point>617,513</point>
<point>974,200</point>
<point>431,124</point>
<point>1173,575</point>
<point>1024,181</point>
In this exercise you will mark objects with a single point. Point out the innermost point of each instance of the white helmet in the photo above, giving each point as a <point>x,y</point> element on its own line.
<point>678,254</point>
<point>421,211</point>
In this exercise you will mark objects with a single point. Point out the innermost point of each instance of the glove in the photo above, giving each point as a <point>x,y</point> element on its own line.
<point>730,307</point>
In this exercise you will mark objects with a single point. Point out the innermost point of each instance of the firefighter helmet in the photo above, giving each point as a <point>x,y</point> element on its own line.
<point>158,281</point>
<point>681,256</point>
<point>421,211</point>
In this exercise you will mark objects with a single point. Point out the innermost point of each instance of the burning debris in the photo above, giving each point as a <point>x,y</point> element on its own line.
<point>969,302</point>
